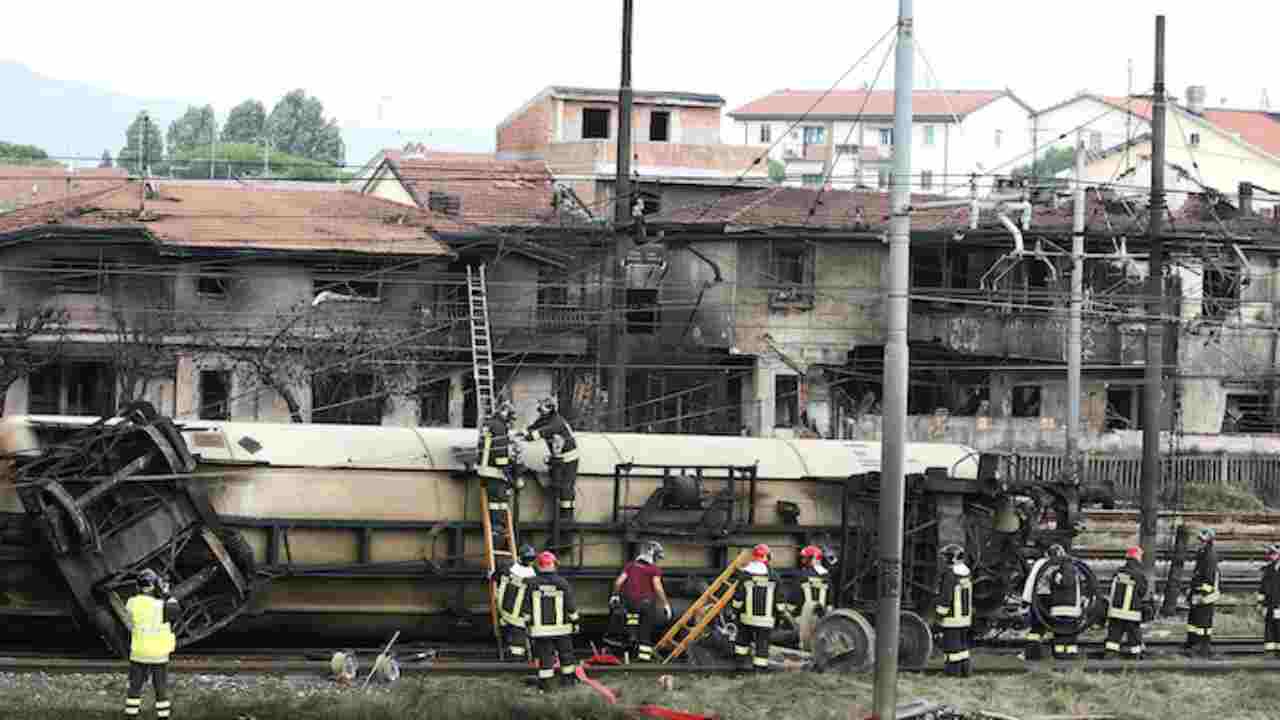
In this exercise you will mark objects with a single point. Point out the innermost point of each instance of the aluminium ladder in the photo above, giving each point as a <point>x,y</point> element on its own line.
<point>695,621</point>
<point>482,367</point>
<point>481,343</point>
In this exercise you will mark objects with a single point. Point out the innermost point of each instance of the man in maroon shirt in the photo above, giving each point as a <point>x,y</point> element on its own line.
<point>639,590</point>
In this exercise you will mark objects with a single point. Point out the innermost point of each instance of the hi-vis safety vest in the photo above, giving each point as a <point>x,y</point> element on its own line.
<point>755,604</point>
<point>511,591</point>
<point>955,602</point>
<point>551,612</point>
<point>152,638</point>
<point>815,589</point>
<point>1124,595</point>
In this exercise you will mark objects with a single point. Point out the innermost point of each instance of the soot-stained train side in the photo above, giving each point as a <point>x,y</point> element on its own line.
<point>343,533</point>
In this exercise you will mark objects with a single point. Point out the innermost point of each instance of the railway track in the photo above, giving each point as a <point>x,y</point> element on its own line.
<point>984,665</point>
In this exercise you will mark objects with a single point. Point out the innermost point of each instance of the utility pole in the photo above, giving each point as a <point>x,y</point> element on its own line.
<point>1155,322</point>
<point>621,217</point>
<point>893,447</point>
<point>213,147</point>
<point>1074,350</point>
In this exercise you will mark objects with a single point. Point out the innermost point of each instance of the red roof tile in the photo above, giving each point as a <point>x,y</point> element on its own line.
<point>222,215</point>
<point>877,103</point>
<point>492,193</point>
<point>27,184</point>
<point>1258,128</point>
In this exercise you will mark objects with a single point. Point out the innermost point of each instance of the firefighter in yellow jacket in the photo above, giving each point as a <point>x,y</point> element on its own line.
<point>955,611</point>
<point>755,599</point>
<point>562,454</point>
<point>498,468</point>
<point>1129,590</point>
<point>150,616</point>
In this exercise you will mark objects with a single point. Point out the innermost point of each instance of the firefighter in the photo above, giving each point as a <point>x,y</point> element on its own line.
<point>1203,595</point>
<point>1065,608</point>
<point>754,600</point>
<point>639,591</point>
<point>562,458</point>
<point>1035,593</point>
<point>1124,613</point>
<point>498,469</point>
<point>1269,598</point>
<point>150,615</point>
<point>552,618</point>
<point>512,588</point>
<point>955,611</point>
<point>811,590</point>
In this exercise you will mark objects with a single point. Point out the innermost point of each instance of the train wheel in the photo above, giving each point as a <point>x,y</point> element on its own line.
<point>915,640</point>
<point>844,641</point>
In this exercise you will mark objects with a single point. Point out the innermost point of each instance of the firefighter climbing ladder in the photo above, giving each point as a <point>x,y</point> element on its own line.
<point>695,621</point>
<point>482,366</point>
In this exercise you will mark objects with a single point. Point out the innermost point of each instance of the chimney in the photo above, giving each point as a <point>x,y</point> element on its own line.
<point>1246,198</point>
<point>1195,98</point>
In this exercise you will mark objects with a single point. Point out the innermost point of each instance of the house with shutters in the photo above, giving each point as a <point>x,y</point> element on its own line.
<point>846,136</point>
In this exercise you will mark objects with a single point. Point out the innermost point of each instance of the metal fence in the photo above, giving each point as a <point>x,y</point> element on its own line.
<point>1259,473</point>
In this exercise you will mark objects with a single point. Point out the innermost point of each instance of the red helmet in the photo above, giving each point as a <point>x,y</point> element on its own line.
<point>811,553</point>
<point>547,560</point>
<point>1134,553</point>
<point>760,552</point>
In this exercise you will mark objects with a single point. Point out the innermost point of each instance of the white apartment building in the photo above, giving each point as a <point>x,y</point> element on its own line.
<point>847,136</point>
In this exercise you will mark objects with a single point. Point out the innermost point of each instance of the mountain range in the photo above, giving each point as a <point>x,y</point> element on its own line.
<point>73,119</point>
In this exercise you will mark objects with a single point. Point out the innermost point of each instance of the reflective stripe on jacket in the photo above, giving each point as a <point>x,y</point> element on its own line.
<point>558,435</point>
<point>1206,584</point>
<point>495,445</point>
<point>955,600</point>
<point>754,597</point>
<point>511,592</point>
<point>549,607</point>
<point>1064,590</point>
<point>152,639</point>
<point>1128,589</point>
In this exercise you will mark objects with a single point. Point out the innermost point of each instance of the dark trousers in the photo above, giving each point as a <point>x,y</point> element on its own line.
<point>1124,637</point>
<point>500,498</point>
<point>751,647</point>
<point>640,623</point>
<point>1200,628</point>
<point>516,637</point>
<point>1271,632</point>
<point>1064,640</point>
<point>564,480</point>
<point>1037,636</point>
<point>546,649</point>
<point>955,651</point>
<point>139,673</point>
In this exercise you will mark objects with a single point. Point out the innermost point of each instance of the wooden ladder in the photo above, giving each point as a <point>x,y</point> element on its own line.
<point>481,343</point>
<point>695,621</point>
<point>492,554</point>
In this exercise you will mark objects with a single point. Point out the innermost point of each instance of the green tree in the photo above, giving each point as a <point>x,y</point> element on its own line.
<point>1054,161</point>
<point>197,126</point>
<point>777,170</point>
<point>105,162</point>
<point>245,123</point>
<point>14,154</point>
<point>136,142</point>
<point>297,126</point>
<point>244,160</point>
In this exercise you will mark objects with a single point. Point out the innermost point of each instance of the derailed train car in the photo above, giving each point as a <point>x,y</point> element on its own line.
<point>92,505</point>
<point>354,532</point>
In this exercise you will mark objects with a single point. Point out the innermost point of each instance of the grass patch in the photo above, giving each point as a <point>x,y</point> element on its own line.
<point>1220,497</point>
<point>783,696</point>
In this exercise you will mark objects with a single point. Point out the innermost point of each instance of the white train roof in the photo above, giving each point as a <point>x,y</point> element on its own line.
<point>406,448</point>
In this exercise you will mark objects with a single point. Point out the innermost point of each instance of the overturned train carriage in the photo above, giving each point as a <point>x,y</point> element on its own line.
<point>89,505</point>
<point>359,531</point>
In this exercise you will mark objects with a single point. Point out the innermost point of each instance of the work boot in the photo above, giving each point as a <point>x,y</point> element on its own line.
<point>1033,651</point>
<point>966,668</point>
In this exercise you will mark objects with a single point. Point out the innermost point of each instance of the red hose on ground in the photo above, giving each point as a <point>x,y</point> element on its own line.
<point>653,711</point>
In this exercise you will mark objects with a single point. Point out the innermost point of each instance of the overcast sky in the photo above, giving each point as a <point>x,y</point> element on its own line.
<point>467,64</point>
